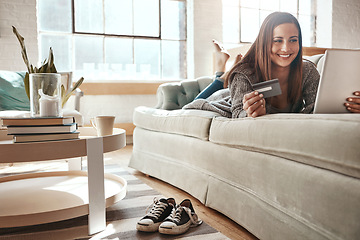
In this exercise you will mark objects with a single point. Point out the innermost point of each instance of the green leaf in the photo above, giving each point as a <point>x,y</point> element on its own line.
<point>26,85</point>
<point>63,96</point>
<point>41,69</point>
<point>23,48</point>
<point>77,84</point>
<point>51,57</point>
<point>63,91</point>
<point>68,95</point>
<point>52,69</point>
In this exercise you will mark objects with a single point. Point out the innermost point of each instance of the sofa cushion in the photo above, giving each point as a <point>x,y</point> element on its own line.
<point>194,123</point>
<point>329,141</point>
<point>12,91</point>
<point>175,95</point>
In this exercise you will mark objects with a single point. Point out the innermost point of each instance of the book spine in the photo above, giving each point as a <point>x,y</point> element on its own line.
<point>37,121</point>
<point>13,130</point>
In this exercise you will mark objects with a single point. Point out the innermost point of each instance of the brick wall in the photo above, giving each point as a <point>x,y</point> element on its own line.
<point>22,15</point>
<point>207,17</point>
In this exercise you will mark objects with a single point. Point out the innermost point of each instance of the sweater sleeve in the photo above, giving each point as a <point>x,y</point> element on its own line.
<point>310,85</point>
<point>239,86</point>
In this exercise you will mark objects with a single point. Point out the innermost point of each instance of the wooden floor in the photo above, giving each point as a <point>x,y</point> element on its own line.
<point>215,219</point>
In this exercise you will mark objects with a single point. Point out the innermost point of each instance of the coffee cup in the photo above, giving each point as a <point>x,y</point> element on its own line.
<point>104,125</point>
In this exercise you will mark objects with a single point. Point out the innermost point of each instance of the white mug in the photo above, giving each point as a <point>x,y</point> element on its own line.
<point>103,124</point>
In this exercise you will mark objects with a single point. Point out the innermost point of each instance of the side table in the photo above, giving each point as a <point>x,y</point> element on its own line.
<point>77,192</point>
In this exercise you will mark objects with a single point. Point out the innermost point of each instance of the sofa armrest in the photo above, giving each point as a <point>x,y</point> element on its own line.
<point>175,95</point>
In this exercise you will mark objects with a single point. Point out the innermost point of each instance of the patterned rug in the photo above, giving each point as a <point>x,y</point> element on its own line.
<point>121,219</point>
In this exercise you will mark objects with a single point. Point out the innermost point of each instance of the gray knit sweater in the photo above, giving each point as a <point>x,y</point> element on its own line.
<point>228,102</point>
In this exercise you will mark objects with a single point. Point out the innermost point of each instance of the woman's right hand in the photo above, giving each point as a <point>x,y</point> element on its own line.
<point>353,103</point>
<point>254,104</point>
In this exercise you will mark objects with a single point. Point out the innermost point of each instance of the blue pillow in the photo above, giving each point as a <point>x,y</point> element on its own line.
<point>12,91</point>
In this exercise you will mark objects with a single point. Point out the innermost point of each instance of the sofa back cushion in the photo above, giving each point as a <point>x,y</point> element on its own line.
<point>318,60</point>
<point>175,95</point>
<point>12,91</point>
<point>329,141</point>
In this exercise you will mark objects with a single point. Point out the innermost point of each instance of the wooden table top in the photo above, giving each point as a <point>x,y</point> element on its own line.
<point>52,150</point>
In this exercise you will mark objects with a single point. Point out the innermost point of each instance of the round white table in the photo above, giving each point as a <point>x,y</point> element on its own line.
<point>36,198</point>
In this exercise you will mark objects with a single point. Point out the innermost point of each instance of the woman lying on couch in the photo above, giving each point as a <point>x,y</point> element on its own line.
<point>276,53</point>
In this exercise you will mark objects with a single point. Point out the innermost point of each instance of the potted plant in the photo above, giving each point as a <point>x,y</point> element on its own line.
<point>47,66</point>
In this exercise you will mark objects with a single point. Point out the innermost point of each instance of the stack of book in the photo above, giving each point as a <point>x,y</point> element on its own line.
<point>41,129</point>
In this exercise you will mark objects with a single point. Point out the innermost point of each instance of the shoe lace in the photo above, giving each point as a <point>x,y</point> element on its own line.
<point>176,215</point>
<point>157,207</point>
<point>193,217</point>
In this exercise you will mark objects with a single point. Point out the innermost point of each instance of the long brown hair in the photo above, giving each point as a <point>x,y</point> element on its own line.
<point>258,56</point>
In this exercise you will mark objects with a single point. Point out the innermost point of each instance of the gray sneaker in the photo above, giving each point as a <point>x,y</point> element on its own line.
<point>182,217</point>
<point>160,209</point>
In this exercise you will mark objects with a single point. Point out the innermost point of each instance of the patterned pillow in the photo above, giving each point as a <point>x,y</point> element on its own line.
<point>12,91</point>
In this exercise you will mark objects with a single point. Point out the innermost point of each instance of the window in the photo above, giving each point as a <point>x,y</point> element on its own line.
<point>251,13</point>
<point>112,39</point>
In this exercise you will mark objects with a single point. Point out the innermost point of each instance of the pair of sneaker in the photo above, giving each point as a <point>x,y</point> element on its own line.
<point>168,218</point>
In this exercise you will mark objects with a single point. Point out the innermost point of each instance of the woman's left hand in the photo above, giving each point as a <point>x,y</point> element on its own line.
<point>353,103</point>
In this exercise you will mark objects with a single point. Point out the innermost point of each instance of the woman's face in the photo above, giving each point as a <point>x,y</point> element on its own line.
<point>285,44</point>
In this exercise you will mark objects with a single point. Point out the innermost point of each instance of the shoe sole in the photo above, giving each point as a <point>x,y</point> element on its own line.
<point>175,230</point>
<point>148,228</point>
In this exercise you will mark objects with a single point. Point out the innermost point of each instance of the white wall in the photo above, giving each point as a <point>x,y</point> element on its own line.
<point>121,106</point>
<point>207,16</point>
<point>22,15</point>
<point>346,24</point>
<point>338,23</point>
<point>324,19</point>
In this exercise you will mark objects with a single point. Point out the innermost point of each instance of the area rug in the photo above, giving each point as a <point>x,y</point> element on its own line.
<point>121,219</point>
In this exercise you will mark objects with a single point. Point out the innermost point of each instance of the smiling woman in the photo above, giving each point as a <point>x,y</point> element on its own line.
<point>276,53</point>
<point>285,46</point>
<point>284,50</point>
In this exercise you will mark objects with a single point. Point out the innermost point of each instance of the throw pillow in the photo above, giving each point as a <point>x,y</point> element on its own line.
<point>12,91</point>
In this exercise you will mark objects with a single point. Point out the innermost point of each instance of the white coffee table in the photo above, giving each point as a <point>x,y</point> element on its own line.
<point>37,198</point>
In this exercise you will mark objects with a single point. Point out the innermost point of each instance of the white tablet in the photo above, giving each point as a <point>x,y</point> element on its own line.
<point>340,78</point>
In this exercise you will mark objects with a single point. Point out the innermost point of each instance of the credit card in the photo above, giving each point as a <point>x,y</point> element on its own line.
<point>268,88</point>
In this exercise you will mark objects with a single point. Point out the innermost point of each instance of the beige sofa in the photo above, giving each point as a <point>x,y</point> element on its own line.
<point>281,176</point>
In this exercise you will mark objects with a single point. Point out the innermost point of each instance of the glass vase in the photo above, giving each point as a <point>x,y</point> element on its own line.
<point>45,95</point>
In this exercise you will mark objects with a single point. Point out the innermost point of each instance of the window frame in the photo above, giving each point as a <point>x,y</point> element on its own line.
<point>259,9</point>
<point>112,35</point>
<point>181,40</point>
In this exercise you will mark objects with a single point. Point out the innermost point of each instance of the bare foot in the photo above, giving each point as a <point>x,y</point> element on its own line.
<point>238,58</point>
<point>221,56</point>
